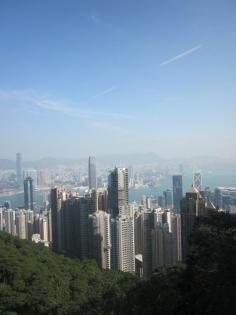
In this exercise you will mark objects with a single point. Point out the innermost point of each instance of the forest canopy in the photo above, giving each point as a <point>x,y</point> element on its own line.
<point>34,280</point>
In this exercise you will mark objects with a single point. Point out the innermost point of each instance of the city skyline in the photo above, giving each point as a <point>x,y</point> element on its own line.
<point>103,224</point>
<point>155,76</point>
<point>118,157</point>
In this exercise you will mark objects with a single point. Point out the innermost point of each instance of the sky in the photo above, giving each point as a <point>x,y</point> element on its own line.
<point>95,77</point>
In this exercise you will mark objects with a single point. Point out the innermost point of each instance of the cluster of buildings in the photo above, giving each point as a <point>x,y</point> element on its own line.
<point>26,224</point>
<point>43,178</point>
<point>101,224</point>
<point>40,178</point>
<point>104,226</point>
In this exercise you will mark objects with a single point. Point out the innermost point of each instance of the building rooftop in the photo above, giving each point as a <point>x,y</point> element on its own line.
<point>193,190</point>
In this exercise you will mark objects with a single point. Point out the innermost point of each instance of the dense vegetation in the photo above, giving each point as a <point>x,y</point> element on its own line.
<point>33,280</point>
<point>206,285</point>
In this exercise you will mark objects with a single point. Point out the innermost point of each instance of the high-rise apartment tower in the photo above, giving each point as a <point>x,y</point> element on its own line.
<point>177,192</point>
<point>28,193</point>
<point>92,177</point>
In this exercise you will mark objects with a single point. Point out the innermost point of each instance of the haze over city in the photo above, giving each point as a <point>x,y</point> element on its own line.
<point>107,77</point>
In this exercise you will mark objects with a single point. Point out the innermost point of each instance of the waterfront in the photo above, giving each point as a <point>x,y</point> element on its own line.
<point>210,180</point>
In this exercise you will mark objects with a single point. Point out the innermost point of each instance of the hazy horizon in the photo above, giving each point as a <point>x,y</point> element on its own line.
<point>122,155</point>
<point>83,78</point>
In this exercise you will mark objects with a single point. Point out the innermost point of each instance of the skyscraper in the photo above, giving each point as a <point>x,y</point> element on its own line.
<point>101,238</point>
<point>118,192</point>
<point>19,174</point>
<point>70,226</point>
<point>32,173</point>
<point>168,198</point>
<point>20,225</point>
<point>92,177</point>
<point>13,222</point>
<point>138,233</point>
<point>10,221</point>
<point>43,228</point>
<point>70,223</point>
<point>28,193</point>
<point>197,181</point>
<point>146,202</point>
<point>179,242</point>
<point>84,241</point>
<point>57,197</point>
<point>148,225</point>
<point>49,225</point>
<point>163,247</point>
<point>225,198</point>
<point>93,200</point>
<point>123,250</point>
<point>177,192</point>
<point>122,223</point>
<point>1,219</point>
<point>102,199</point>
<point>192,206</point>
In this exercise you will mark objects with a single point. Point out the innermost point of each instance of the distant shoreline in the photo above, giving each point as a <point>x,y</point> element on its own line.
<point>11,193</point>
<point>15,192</point>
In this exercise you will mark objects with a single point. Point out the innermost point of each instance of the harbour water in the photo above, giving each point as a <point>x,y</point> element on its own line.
<point>209,180</point>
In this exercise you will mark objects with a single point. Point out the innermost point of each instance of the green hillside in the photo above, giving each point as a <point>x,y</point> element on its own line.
<point>34,280</point>
<point>205,285</point>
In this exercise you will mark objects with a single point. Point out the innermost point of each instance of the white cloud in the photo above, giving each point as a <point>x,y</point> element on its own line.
<point>29,99</point>
<point>105,92</point>
<point>182,55</point>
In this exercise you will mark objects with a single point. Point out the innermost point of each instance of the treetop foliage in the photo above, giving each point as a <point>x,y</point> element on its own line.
<point>34,280</point>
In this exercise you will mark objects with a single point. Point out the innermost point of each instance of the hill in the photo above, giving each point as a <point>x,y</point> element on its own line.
<point>205,285</point>
<point>34,280</point>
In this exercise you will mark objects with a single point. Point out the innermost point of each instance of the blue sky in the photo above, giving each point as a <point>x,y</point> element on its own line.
<point>105,76</point>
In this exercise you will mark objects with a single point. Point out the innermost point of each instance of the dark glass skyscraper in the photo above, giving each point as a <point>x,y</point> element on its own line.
<point>168,198</point>
<point>70,219</point>
<point>92,172</point>
<point>28,193</point>
<point>118,191</point>
<point>19,180</point>
<point>177,192</point>
<point>192,206</point>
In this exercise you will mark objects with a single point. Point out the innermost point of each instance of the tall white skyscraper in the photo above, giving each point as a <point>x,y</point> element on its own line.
<point>1,219</point>
<point>101,238</point>
<point>19,175</point>
<point>122,223</point>
<point>21,225</point>
<point>43,229</point>
<point>123,249</point>
<point>29,223</point>
<point>8,217</point>
<point>92,176</point>
<point>13,222</point>
<point>49,225</point>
